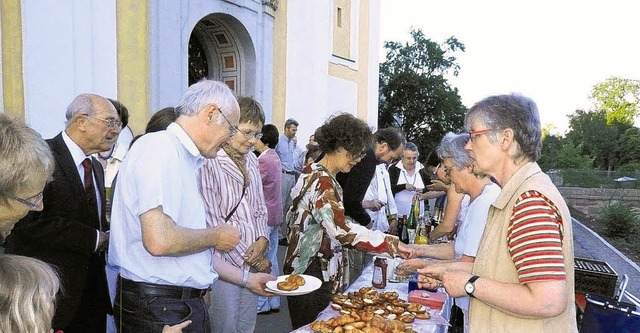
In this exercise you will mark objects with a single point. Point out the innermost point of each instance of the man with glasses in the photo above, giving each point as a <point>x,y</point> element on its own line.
<point>387,146</point>
<point>160,239</point>
<point>71,232</point>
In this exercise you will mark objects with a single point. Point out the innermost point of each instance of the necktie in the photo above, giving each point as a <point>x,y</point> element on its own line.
<point>90,190</point>
<point>88,176</point>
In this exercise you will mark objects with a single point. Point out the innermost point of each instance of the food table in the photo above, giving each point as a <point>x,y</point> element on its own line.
<point>438,323</point>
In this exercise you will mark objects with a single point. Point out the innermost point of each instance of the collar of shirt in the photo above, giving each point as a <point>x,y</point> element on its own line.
<point>186,141</point>
<point>417,167</point>
<point>264,152</point>
<point>122,144</point>
<point>76,152</point>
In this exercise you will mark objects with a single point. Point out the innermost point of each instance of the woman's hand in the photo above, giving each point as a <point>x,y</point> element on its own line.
<point>428,282</point>
<point>176,328</point>
<point>405,251</point>
<point>410,266</point>
<point>255,253</point>
<point>438,185</point>
<point>435,270</point>
<point>264,266</point>
<point>373,205</point>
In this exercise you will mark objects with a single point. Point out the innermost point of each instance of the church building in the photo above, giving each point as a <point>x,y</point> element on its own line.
<point>300,59</point>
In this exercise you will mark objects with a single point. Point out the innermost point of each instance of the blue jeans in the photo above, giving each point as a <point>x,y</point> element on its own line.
<point>136,313</point>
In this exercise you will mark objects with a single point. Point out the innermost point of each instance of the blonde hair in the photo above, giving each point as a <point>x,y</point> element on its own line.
<point>28,289</point>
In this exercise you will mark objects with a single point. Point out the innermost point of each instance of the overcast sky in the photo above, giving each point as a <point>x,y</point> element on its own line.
<point>551,51</point>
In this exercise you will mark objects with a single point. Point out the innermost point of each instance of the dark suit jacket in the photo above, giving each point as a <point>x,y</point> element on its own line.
<point>354,186</point>
<point>64,234</point>
<point>397,185</point>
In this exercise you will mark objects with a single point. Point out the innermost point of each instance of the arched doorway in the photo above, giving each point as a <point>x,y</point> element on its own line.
<point>220,48</point>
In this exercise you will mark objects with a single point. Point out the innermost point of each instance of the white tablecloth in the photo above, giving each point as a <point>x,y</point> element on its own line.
<point>438,323</point>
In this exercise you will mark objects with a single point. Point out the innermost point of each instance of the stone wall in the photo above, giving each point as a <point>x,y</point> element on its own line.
<point>590,200</point>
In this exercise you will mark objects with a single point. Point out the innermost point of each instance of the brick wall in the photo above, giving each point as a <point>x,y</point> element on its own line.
<point>590,200</point>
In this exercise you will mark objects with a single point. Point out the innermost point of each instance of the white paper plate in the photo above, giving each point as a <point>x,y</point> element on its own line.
<point>311,283</point>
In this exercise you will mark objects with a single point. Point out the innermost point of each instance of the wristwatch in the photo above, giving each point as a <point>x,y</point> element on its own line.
<point>470,287</point>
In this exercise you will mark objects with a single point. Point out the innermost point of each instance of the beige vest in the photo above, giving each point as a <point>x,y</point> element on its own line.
<point>494,262</point>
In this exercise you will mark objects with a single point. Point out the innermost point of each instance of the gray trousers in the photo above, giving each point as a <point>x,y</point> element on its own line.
<point>233,309</point>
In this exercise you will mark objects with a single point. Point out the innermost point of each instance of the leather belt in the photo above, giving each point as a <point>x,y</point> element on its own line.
<point>289,172</point>
<point>160,290</point>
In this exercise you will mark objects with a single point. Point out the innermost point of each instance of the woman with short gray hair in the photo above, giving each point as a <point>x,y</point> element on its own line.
<point>526,252</point>
<point>481,193</point>
<point>26,164</point>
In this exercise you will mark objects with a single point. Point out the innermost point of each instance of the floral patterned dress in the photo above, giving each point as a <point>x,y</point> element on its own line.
<point>318,228</point>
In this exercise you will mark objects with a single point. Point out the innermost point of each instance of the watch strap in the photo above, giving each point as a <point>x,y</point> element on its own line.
<point>471,281</point>
<point>245,278</point>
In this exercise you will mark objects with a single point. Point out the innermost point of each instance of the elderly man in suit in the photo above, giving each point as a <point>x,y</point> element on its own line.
<point>71,232</point>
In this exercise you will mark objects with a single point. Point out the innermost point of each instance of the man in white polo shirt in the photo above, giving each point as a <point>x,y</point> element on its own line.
<point>159,238</point>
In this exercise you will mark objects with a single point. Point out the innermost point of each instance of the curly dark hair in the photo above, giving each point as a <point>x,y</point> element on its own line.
<point>343,131</point>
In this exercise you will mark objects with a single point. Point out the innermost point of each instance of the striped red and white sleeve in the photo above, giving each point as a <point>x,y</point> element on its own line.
<point>534,239</point>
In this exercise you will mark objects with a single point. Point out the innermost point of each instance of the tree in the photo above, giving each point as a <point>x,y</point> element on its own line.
<point>629,146</point>
<point>596,137</point>
<point>619,98</point>
<point>414,93</point>
<point>560,153</point>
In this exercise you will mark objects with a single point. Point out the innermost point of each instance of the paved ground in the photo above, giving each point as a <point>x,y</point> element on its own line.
<point>587,244</point>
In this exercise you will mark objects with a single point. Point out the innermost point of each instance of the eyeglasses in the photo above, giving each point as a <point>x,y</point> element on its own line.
<point>111,123</point>
<point>34,202</point>
<point>475,134</point>
<point>435,171</point>
<point>359,156</point>
<point>447,171</point>
<point>250,135</point>
<point>233,129</point>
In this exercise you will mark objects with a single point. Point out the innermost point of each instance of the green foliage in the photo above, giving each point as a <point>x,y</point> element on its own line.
<point>560,153</point>
<point>414,93</point>
<point>619,98</point>
<point>629,146</point>
<point>630,168</point>
<point>569,157</point>
<point>596,137</point>
<point>587,178</point>
<point>619,220</point>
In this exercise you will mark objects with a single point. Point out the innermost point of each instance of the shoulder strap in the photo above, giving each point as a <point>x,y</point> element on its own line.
<point>226,219</point>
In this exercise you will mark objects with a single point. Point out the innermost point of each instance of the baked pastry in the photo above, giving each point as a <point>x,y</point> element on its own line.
<point>296,279</point>
<point>287,286</point>
<point>422,315</point>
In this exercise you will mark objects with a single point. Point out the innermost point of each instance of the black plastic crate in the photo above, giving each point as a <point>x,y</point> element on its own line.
<point>595,277</point>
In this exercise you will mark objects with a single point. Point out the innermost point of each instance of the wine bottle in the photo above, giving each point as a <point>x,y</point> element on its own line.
<point>411,222</point>
<point>403,232</point>
<point>421,232</point>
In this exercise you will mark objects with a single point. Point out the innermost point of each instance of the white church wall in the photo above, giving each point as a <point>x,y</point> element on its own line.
<point>171,24</point>
<point>343,96</point>
<point>308,47</point>
<point>66,53</point>
<point>374,67</point>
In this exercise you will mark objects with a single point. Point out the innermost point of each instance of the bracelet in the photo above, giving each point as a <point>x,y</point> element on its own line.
<point>245,278</point>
